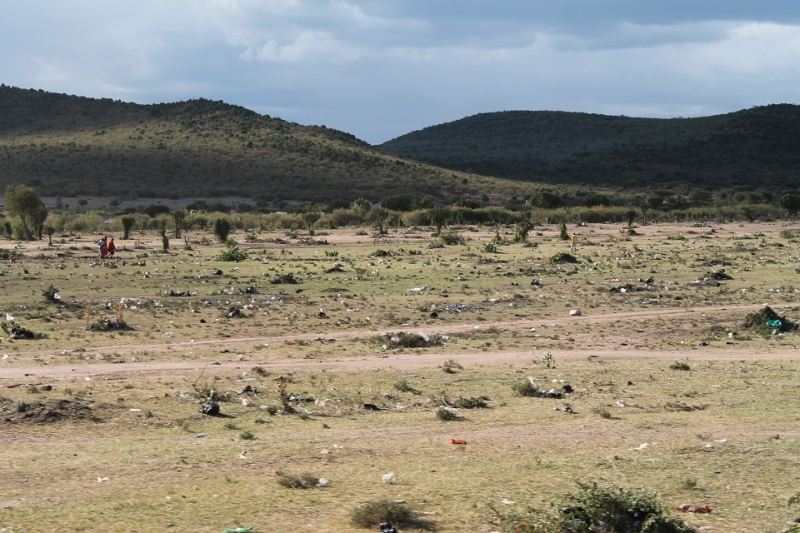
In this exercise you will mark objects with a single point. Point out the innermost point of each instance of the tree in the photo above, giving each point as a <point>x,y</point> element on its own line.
<point>24,202</point>
<point>50,230</point>
<point>222,228</point>
<point>438,216</point>
<point>164,240</point>
<point>363,204</point>
<point>178,216</point>
<point>525,225</point>
<point>127,224</point>
<point>791,201</point>
<point>310,215</point>
<point>378,216</point>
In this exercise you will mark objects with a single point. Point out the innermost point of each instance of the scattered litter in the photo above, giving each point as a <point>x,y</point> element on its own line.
<point>387,527</point>
<point>575,312</point>
<point>135,410</point>
<point>457,441</point>
<point>642,446</point>
<point>102,479</point>
<point>507,502</point>
<point>566,409</point>
<point>322,482</point>
<point>211,409</point>
<point>200,435</point>
<point>239,530</point>
<point>389,478</point>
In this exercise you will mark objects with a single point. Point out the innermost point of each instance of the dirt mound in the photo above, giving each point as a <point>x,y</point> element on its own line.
<point>52,411</point>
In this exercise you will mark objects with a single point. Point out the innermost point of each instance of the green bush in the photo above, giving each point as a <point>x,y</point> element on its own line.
<point>450,238</point>
<point>372,514</point>
<point>232,252</point>
<point>446,415</point>
<point>563,257</point>
<point>597,508</point>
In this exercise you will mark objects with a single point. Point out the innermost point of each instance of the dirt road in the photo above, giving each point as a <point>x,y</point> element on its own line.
<point>405,360</point>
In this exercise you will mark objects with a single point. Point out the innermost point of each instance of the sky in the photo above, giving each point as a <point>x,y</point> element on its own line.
<point>380,68</point>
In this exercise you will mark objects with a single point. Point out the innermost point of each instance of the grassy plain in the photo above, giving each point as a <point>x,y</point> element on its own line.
<point>119,443</point>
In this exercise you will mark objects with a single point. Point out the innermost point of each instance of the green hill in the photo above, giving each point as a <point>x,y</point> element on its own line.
<point>753,148</point>
<point>68,145</point>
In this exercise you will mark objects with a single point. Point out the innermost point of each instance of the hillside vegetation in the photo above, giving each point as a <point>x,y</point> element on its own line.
<point>753,148</point>
<point>68,145</point>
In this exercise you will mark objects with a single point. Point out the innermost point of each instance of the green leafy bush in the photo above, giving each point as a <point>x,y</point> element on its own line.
<point>598,508</point>
<point>450,238</point>
<point>232,252</point>
<point>563,257</point>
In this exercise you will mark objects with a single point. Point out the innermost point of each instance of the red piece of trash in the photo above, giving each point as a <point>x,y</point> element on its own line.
<point>457,441</point>
<point>691,508</point>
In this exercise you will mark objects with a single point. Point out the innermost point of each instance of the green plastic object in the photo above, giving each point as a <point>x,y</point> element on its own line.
<point>239,530</point>
<point>774,323</point>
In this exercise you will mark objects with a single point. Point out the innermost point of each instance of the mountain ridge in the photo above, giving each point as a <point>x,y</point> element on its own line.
<point>559,147</point>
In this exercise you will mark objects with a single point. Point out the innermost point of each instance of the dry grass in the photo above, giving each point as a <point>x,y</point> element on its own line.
<point>722,433</point>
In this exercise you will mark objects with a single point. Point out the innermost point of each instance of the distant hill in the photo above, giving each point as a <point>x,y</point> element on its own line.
<point>753,148</point>
<point>70,145</point>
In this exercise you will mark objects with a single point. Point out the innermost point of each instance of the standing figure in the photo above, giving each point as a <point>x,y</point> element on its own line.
<point>111,247</point>
<point>103,245</point>
<point>574,246</point>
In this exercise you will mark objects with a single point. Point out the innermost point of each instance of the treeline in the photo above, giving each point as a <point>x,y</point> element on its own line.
<point>357,217</point>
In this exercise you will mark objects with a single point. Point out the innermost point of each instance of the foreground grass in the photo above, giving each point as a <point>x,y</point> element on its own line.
<point>717,434</point>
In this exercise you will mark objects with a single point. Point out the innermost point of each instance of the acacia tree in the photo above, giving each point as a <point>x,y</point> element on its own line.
<point>24,202</point>
<point>178,216</point>
<point>791,202</point>
<point>438,216</point>
<point>127,225</point>
<point>378,216</point>
<point>525,225</point>
<point>309,219</point>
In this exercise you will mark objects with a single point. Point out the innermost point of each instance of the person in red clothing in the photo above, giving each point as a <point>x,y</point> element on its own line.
<point>111,247</point>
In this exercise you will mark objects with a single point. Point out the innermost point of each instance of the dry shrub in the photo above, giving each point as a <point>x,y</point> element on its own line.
<point>372,514</point>
<point>303,481</point>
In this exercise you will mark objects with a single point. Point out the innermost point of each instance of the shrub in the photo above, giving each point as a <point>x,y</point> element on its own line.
<point>222,228</point>
<point>450,238</point>
<point>413,340</point>
<point>766,321</point>
<point>232,252</point>
<point>597,508</point>
<point>446,415</point>
<point>680,365</point>
<point>563,257</point>
<point>473,403</point>
<point>403,386</point>
<point>285,279</point>
<point>303,481</point>
<point>450,366</point>
<point>372,514</point>
<point>51,294</point>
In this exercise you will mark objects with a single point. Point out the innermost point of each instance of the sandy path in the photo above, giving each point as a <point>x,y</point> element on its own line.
<point>401,360</point>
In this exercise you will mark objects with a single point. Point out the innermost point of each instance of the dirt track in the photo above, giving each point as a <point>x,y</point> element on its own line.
<point>395,360</point>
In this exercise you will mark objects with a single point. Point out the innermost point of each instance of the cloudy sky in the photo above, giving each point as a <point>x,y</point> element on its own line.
<point>381,68</point>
